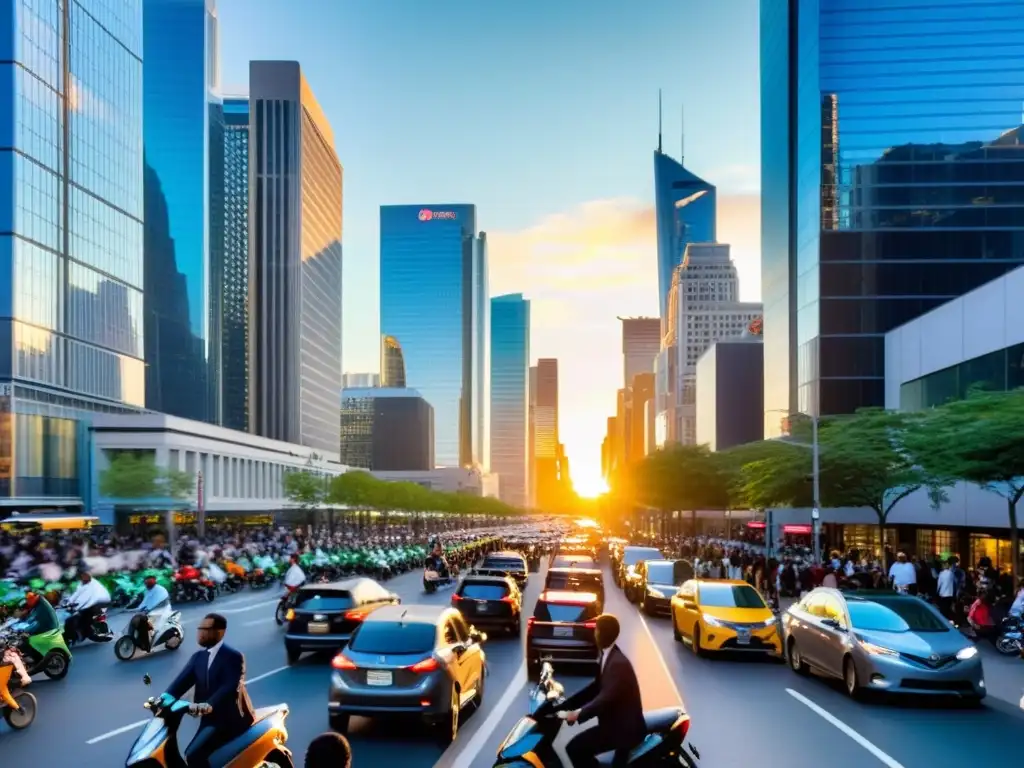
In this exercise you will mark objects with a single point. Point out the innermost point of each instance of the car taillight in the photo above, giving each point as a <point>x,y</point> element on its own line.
<point>590,624</point>
<point>342,661</point>
<point>289,614</point>
<point>507,599</point>
<point>456,599</point>
<point>358,614</point>
<point>683,726</point>
<point>427,665</point>
<point>529,624</point>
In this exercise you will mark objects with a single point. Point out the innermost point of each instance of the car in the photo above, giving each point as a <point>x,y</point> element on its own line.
<point>574,561</point>
<point>573,579</point>
<point>724,615</point>
<point>881,641</point>
<point>629,559</point>
<point>561,630</point>
<point>324,616</point>
<point>490,602</point>
<point>659,581</point>
<point>507,563</point>
<point>420,660</point>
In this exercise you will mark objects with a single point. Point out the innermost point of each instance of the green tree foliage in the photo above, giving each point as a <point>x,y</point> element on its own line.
<point>306,489</point>
<point>978,440</point>
<point>769,473</point>
<point>133,475</point>
<point>681,477</point>
<point>361,490</point>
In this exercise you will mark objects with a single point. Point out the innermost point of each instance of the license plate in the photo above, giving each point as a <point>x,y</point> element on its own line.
<point>319,627</point>
<point>484,607</point>
<point>743,637</point>
<point>563,632</point>
<point>376,677</point>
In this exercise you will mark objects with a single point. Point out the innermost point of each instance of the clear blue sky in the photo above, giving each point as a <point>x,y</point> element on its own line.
<point>528,109</point>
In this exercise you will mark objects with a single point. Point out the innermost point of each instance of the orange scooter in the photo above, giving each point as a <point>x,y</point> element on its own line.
<point>19,706</point>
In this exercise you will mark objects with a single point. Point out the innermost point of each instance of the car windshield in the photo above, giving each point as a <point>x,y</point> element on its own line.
<point>480,591</point>
<point>729,596</point>
<point>567,612</point>
<point>571,561</point>
<point>503,564</point>
<point>386,637</point>
<point>673,572</point>
<point>633,555</point>
<point>894,616</point>
<point>328,601</point>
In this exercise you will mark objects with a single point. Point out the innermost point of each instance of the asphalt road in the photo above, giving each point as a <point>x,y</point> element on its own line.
<point>745,711</point>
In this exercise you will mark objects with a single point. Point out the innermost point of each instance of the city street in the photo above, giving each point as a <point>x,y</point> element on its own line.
<point>745,711</point>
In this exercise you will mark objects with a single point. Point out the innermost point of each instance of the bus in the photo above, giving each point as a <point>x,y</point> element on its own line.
<point>48,522</point>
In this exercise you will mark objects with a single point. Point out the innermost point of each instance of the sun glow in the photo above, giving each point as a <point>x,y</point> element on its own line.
<point>589,486</point>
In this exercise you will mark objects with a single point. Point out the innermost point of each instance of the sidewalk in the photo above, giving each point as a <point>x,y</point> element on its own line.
<point>1004,675</point>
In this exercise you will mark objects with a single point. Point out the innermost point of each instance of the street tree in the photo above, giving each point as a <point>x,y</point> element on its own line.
<point>765,474</point>
<point>136,475</point>
<point>979,440</point>
<point>305,489</point>
<point>678,478</point>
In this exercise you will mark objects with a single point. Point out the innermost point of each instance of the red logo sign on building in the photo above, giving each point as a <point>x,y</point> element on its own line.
<point>426,215</point>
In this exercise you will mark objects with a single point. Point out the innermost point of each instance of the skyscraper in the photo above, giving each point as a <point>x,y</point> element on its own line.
<point>531,447</point>
<point>546,434</point>
<point>386,429</point>
<point>392,363</point>
<point>360,380</point>
<point>890,181</point>
<point>685,209</point>
<point>433,289</point>
<point>179,84</point>
<point>510,396</point>
<point>71,233</point>
<point>229,267</point>
<point>641,340</point>
<point>295,267</point>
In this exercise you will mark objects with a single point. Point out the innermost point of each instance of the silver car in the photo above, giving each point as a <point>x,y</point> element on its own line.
<point>881,641</point>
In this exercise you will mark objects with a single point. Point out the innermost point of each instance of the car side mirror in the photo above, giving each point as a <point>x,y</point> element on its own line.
<point>459,649</point>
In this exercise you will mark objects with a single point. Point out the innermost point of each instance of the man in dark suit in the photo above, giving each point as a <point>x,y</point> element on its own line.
<point>217,672</point>
<point>613,698</point>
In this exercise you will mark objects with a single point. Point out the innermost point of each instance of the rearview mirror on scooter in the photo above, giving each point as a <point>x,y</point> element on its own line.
<point>147,680</point>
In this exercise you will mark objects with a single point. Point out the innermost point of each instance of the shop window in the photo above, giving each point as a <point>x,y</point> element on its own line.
<point>864,538</point>
<point>933,543</point>
<point>996,549</point>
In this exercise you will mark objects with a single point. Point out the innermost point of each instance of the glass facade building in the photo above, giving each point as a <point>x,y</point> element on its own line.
<point>545,434</point>
<point>392,363</point>
<point>386,429</point>
<point>229,264</point>
<point>685,209</point>
<point>434,306</point>
<point>181,126</point>
<point>295,278</point>
<point>892,181</point>
<point>71,212</point>
<point>999,371</point>
<point>510,397</point>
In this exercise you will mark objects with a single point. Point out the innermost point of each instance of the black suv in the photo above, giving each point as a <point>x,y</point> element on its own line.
<point>505,563</point>
<point>561,630</point>
<point>490,602</point>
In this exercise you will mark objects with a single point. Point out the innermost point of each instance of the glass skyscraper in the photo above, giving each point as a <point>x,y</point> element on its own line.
<point>180,130</point>
<point>71,212</point>
<point>295,278</point>
<point>685,210</point>
<point>510,396</point>
<point>229,264</point>
<point>892,172</point>
<point>434,306</point>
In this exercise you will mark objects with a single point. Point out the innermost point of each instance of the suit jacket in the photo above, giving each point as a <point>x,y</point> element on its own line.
<point>614,699</point>
<point>222,686</point>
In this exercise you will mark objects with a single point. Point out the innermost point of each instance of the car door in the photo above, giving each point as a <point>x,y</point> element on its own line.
<point>834,639</point>
<point>685,608</point>
<point>811,637</point>
<point>473,658</point>
<point>452,643</point>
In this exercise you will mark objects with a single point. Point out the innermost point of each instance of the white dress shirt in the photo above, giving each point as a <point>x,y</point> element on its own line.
<point>213,654</point>
<point>947,583</point>
<point>604,656</point>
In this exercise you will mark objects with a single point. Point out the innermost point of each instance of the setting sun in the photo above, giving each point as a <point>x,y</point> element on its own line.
<point>589,486</point>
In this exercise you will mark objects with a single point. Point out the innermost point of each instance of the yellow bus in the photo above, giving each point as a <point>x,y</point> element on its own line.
<point>48,522</point>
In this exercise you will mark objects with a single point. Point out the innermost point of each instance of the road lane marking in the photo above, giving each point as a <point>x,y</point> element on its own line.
<point>264,620</point>
<point>140,723</point>
<point>829,717</point>
<point>664,664</point>
<point>468,754</point>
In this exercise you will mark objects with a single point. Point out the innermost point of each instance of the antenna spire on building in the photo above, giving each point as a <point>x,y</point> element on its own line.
<point>659,121</point>
<point>682,135</point>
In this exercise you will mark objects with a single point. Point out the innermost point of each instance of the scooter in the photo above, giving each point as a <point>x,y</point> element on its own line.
<point>98,630</point>
<point>1011,636</point>
<point>44,652</point>
<point>18,707</point>
<point>286,602</point>
<point>157,745</point>
<point>167,633</point>
<point>530,744</point>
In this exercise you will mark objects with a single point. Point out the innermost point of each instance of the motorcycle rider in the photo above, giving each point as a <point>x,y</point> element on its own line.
<point>155,607</point>
<point>89,600</point>
<point>295,577</point>
<point>436,561</point>
<point>37,615</point>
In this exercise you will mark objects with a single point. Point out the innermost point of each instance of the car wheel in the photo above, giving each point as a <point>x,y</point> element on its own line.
<point>292,654</point>
<point>697,649</point>
<point>448,726</point>
<point>338,723</point>
<point>478,697</point>
<point>853,689</point>
<point>796,661</point>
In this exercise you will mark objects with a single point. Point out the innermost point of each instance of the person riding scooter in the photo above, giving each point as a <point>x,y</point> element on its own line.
<point>37,615</point>
<point>155,607</point>
<point>295,577</point>
<point>89,600</point>
<point>436,561</point>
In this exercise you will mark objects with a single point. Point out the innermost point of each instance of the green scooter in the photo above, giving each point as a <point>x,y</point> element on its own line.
<point>44,651</point>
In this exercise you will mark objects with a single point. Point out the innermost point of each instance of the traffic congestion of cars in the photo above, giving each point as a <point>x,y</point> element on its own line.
<point>470,672</point>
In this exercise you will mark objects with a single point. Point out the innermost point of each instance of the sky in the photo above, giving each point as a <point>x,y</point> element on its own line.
<point>544,115</point>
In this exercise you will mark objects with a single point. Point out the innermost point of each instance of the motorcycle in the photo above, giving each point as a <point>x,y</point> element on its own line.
<point>1011,636</point>
<point>44,652</point>
<point>18,707</point>
<point>98,630</point>
<point>530,744</point>
<point>286,601</point>
<point>157,745</point>
<point>167,633</point>
<point>190,584</point>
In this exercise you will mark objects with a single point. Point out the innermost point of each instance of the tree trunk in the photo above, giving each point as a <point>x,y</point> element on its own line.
<point>1011,504</point>
<point>881,542</point>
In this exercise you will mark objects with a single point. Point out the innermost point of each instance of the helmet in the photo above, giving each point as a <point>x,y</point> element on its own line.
<point>149,577</point>
<point>31,600</point>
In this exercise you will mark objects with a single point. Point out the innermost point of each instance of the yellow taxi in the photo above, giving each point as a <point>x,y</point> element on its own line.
<point>724,615</point>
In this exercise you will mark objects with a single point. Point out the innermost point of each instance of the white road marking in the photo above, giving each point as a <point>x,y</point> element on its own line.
<point>230,611</point>
<point>657,652</point>
<point>140,723</point>
<point>829,717</point>
<point>264,620</point>
<point>468,754</point>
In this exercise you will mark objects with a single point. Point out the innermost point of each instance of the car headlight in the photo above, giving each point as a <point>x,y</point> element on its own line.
<point>878,650</point>
<point>711,621</point>
<point>654,592</point>
<point>770,621</point>
<point>967,653</point>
